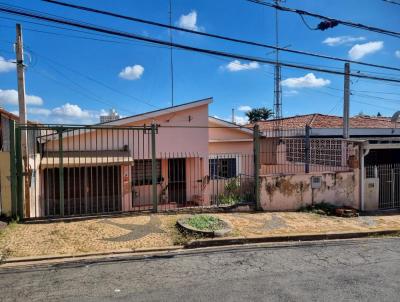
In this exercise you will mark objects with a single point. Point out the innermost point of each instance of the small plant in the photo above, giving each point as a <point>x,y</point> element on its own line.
<point>205,222</point>
<point>322,208</point>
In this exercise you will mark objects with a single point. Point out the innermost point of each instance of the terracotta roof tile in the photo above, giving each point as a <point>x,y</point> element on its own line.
<point>317,120</point>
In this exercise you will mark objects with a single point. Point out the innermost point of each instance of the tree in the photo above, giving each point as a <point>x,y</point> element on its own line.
<point>259,114</point>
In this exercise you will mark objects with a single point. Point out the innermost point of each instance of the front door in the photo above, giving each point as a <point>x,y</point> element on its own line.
<point>177,180</point>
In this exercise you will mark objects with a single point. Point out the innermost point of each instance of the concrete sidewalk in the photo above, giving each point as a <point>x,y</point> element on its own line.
<point>153,232</point>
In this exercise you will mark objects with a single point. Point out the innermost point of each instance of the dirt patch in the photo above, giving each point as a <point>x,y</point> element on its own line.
<point>152,231</point>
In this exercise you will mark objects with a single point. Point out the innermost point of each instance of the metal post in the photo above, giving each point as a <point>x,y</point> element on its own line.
<point>61,169</point>
<point>19,174</point>
<point>256,146</point>
<point>346,101</point>
<point>307,150</point>
<point>13,171</point>
<point>154,168</point>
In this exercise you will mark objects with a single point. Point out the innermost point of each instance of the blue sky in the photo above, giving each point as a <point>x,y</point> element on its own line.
<point>73,76</point>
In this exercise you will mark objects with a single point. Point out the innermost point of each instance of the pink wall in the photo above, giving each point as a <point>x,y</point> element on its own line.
<point>290,192</point>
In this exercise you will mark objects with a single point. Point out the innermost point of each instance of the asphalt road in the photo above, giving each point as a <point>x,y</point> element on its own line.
<point>363,270</point>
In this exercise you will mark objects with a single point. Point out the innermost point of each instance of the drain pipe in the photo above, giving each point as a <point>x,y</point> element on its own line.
<point>364,152</point>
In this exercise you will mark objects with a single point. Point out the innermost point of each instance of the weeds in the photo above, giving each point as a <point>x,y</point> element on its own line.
<point>322,208</point>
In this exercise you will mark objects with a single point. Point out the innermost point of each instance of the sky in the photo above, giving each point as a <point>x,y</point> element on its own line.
<point>75,76</point>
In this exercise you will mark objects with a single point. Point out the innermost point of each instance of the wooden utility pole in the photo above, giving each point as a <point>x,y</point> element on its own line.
<point>346,101</point>
<point>19,49</point>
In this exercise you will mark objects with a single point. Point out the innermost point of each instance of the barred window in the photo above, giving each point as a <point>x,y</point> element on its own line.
<point>222,168</point>
<point>142,172</point>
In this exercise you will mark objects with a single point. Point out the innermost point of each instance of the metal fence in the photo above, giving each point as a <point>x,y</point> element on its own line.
<point>388,176</point>
<point>91,170</point>
<point>297,151</point>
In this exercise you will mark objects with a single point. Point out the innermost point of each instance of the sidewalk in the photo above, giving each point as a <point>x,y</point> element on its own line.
<point>158,231</point>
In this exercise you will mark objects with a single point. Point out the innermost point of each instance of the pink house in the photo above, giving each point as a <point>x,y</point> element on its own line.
<point>108,168</point>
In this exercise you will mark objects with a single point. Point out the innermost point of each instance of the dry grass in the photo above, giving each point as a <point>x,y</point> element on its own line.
<point>96,235</point>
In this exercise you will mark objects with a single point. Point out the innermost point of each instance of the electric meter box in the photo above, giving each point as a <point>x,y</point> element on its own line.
<point>316,182</point>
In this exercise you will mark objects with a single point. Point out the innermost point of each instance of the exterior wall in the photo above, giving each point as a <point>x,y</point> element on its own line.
<point>185,141</point>
<point>290,192</point>
<point>5,184</point>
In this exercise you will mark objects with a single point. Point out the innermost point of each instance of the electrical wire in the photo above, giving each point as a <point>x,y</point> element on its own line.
<point>171,27</point>
<point>105,30</point>
<point>343,22</point>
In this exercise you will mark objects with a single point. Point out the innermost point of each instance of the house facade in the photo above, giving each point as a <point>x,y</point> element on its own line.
<point>361,172</point>
<point>108,167</point>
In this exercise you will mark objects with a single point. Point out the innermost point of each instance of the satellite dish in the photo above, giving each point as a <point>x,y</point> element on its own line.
<point>396,117</point>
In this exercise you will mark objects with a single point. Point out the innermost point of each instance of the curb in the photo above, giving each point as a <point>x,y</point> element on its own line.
<point>284,238</point>
<point>192,245</point>
<point>90,255</point>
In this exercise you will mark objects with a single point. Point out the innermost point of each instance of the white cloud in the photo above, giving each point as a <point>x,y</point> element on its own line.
<point>244,108</point>
<point>67,113</point>
<point>39,111</point>
<point>241,120</point>
<point>336,41</point>
<point>358,51</point>
<point>10,97</point>
<point>236,65</point>
<point>397,53</point>
<point>290,93</point>
<point>6,65</point>
<point>132,72</point>
<point>70,110</point>
<point>307,81</point>
<point>189,21</point>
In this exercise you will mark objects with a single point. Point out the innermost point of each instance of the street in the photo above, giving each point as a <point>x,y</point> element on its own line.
<point>353,270</point>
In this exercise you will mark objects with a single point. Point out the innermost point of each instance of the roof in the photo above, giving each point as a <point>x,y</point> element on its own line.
<point>12,116</point>
<point>324,121</point>
<point>152,114</point>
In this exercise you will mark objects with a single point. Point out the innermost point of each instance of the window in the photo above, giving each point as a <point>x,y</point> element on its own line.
<point>142,172</point>
<point>222,168</point>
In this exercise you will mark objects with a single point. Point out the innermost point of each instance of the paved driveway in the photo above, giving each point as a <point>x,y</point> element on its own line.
<point>358,270</point>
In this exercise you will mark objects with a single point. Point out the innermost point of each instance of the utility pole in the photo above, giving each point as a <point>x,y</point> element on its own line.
<point>277,76</point>
<point>233,115</point>
<point>346,101</point>
<point>19,49</point>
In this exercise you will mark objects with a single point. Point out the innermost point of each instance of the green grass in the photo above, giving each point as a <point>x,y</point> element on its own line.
<point>205,222</point>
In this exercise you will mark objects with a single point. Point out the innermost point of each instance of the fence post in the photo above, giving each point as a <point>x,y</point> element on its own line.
<point>256,154</point>
<point>61,169</point>
<point>13,171</point>
<point>154,168</point>
<point>307,149</point>
<point>19,174</point>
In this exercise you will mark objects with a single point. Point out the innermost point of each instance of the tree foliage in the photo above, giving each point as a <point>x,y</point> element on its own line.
<point>259,114</point>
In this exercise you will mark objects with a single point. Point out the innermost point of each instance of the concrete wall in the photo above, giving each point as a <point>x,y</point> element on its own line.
<point>5,183</point>
<point>290,192</point>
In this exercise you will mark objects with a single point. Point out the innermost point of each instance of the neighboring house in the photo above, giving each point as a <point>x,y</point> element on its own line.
<point>372,154</point>
<point>109,168</point>
<point>5,185</point>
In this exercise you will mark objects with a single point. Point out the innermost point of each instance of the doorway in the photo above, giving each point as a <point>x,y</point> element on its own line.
<point>177,180</point>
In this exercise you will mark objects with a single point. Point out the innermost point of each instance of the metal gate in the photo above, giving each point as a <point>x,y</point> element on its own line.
<point>389,184</point>
<point>72,170</point>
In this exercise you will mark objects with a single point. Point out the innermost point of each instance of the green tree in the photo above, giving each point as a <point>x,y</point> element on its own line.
<point>259,114</point>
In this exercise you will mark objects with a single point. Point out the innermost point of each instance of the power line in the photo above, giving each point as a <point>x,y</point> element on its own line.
<point>343,22</point>
<point>391,2</point>
<point>158,24</point>
<point>109,31</point>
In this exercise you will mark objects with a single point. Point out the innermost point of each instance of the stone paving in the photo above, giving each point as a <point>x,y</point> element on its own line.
<point>158,230</point>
